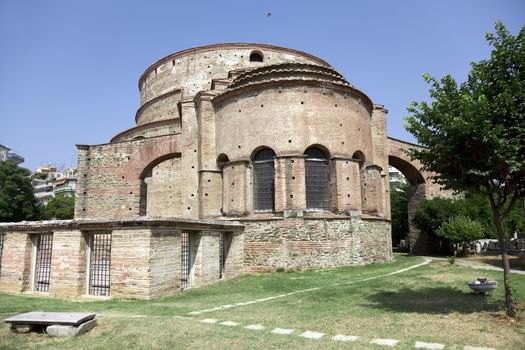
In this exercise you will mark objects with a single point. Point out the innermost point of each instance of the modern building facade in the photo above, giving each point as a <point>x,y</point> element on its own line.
<point>6,154</point>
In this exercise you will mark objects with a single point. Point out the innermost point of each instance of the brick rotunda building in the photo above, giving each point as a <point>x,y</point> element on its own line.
<point>244,157</point>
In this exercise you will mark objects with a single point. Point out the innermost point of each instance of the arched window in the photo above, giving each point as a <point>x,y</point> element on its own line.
<point>263,180</point>
<point>256,57</point>
<point>317,180</point>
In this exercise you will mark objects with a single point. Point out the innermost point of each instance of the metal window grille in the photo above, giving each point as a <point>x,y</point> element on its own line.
<point>263,186</point>
<point>263,180</point>
<point>185,261</point>
<point>2,238</point>
<point>100,264</point>
<point>317,180</point>
<point>43,262</point>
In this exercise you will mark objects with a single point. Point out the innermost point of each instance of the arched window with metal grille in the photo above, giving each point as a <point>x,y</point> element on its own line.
<point>317,179</point>
<point>263,180</point>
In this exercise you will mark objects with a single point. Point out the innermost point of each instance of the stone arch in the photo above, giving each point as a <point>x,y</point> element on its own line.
<point>160,193</point>
<point>419,189</point>
<point>149,153</point>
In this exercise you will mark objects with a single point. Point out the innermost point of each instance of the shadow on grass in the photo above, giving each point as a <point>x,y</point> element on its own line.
<point>441,300</point>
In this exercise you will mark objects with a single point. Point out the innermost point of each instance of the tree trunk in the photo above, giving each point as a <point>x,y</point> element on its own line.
<point>509,303</point>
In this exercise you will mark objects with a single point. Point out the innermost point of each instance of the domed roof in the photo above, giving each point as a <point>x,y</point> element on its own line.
<point>287,72</point>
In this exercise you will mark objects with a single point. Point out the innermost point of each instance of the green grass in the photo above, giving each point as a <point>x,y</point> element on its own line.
<point>430,303</point>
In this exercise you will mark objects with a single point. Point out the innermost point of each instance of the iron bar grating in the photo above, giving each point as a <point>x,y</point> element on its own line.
<point>43,262</point>
<point>185,260</point>
<point>100,264</point>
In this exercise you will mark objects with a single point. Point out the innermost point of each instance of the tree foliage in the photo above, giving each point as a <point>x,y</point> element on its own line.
<point>461,229</point>
<point>17,201</point>
<point>474,132</point>
<point>399,213</point>
<point>59,207</point>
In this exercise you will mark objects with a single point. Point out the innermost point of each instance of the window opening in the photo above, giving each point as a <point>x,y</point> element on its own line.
<point>100,264</point>
<point>43,262</point>
<point>185,261</point>
<point>264,180</point>
<point>256,57</point>
<point>317,179</point>
<point>224,248</point>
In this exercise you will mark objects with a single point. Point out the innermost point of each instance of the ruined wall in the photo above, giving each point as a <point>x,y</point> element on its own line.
<point>109,175</point>
<point>315,243</point>
<point>164,189</point>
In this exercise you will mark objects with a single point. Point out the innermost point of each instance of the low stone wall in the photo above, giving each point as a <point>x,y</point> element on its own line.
<point>145,256</point>
<point>315,243</point>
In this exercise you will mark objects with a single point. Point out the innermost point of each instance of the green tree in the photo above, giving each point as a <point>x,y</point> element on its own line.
<point>59,207</point>
<point>461,230</point>
<point>17,201</point>
<point>399,213</point>
<point>432,213</point>
<point>474,133</point>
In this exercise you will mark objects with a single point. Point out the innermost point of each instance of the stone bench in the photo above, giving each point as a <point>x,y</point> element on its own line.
<point>56,324</point>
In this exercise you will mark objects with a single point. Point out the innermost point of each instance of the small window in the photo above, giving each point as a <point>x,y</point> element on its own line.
<point>317,179</point>
<point>263,180</point>
<point>256,57</point>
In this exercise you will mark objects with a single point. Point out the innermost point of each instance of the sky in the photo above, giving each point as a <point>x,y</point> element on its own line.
<point>69,69</point>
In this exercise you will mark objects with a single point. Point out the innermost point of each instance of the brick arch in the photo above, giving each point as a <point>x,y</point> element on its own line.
<point>420,188</point>
<point>150,155</point>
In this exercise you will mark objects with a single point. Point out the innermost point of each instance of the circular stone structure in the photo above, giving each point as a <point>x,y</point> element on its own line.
<point>271,137</point>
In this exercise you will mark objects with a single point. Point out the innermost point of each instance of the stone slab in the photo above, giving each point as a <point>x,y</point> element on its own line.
<point>342,337</point>
<point>312,335</point>
<point>429,346</point>
<point>50,318</point>
<point>385,342</point>
<point>70,331</point>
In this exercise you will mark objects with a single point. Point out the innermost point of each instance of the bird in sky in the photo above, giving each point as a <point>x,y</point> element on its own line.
<point>269,14</point>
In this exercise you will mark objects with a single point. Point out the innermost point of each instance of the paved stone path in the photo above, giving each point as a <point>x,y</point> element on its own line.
<point>314,335</point>
<point>229,306</point>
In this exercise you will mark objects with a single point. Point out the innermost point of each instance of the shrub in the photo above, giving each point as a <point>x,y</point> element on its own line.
<point>461,229</point>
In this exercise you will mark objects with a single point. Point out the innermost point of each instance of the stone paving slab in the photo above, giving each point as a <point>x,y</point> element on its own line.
<point>385,342</point>
<point>255,327</point>
<point>283,331</point>
<point>430,346</point>
<point>50,318</point>
<point>476,348</point>
<point>312,335</point>
<point>342,337</point>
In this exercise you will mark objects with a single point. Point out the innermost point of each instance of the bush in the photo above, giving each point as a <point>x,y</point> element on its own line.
<point>434,212</point>
<point>461,229</point>
<point>59,207</point>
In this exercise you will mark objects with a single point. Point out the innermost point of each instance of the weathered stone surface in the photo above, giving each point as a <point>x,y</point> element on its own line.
<point>46,318</point>
<point>70,331</point>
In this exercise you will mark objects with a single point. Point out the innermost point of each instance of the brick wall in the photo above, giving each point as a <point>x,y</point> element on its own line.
<point>68,264</point>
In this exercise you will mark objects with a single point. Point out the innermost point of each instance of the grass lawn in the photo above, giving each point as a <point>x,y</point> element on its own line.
<point>430,303</point>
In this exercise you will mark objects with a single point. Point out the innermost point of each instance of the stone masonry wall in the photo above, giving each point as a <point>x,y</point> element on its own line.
<point>16,263</point>
<point>131,276</point>
<point>165,261</point>
<point>164,189</point>
<point>307,243</point>
<point>68,264</point>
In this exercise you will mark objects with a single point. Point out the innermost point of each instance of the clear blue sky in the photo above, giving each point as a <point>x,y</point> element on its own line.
<point>69,69</point>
